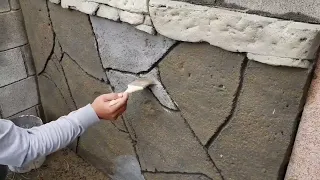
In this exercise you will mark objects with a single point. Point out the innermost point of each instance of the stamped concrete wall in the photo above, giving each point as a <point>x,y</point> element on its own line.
<point>229,86</point>
<point>18,87</point>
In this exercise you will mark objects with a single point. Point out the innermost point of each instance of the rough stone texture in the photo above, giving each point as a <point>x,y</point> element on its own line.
<point>53,103</point>
<point>125,48</point>
<point>254,144</point>
<point>109,142</point>
<point>146,28</point>
<point>139,6</point>
<point>279,61</point>
<point>305,162</point>
<point>164,141</point>
<point>162,176</point>
<point>23,95</point>
<point>235,31</point>
<point>30,111</point>
<point>202,76</point>
<point>39,30</point>
<point>12,67</point>
<point>131,18</point>
<point>127,167</point>
<point>147,20</point>
<point>108,12</point>
<point>12,33</point>
<point>81,5</point>
<point>4,6</point>
<point>75,35</point>
<point>58,50</point>
<point>55,1</point>
<point>28,59</point>
<point>14,4</point>
<point>55,73</point>
<point>298,10</point>
<point>64,165</point>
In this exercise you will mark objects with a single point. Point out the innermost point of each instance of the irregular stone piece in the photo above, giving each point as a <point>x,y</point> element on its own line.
<point>147,20</point>
<point>30,111</point>
<point>53,102</point>
<point>55,73</point>
<point>235,31</point>
<point>254,144</point>
<point>202,80</point>
<point>81,5</point>
<point>164,141</point>
<point>28,59</point>
<point>131,18</point>
<point>146,28</point>
<point>123,47</point>
<point>109,143</point>
<point>139,6</point>
<point>4,6</point>
<point>12,33</point>
<point>80,45</point>
<point>14,4</point>
<point>23,95</point>
<point>39,31</point>
<point>307,10</point>
<point>127,167</point>
<point>279,61</point>
<point>163,176</point>
<point>304,161</point>
<point>57,50</point>
<point>12,67</point>
<point>108,12</point>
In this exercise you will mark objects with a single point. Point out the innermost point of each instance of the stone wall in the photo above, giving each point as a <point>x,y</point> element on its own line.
<point>18,87</point>
<point>229,86</point>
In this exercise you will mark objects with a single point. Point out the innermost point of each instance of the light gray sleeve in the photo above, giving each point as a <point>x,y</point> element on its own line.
<point>19,146</point>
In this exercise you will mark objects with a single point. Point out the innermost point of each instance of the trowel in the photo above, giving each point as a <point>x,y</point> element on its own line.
<point>136,85</point>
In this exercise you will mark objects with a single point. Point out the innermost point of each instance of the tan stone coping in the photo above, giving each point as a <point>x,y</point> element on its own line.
<point>267,40</point>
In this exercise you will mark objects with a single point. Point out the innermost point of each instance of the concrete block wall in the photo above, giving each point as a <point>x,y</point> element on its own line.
<point>18,86</point>
<point>229,90</point>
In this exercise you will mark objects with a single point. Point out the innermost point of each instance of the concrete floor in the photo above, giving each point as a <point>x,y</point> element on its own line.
<point>62,165</point>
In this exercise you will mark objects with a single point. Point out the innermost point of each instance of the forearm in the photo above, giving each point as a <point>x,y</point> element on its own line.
<point>24,145</point>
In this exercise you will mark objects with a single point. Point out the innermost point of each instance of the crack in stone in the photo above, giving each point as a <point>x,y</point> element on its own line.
<point>49,78</point>
<point>119,129</point>
<point>54,42</point>
<point>175,172</point>
<point>14,47</point>
<point>286,159</point>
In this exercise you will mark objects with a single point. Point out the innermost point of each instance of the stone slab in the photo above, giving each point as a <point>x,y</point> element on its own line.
<point>108,12</point>
<point>305,162</point>
<point>125,48</point>
<point>172,176</point>
<point>255,142</point>
<point>139,6</point>
<point>131,18</point>
<point>28,59</point>
<point>39,31</point>
<point>202,80</point>
<point>235,31</point>
<point>57,50</point>
<point>164,141</point>
<point>30,111</point>
<point>55,73</point>
<point>80,45</point>
<point>23,95</point>
<point>4,6</point>
<point>307,10</point>
<point>12,33</point>
<point>12,67</point>
<point>109,143</point>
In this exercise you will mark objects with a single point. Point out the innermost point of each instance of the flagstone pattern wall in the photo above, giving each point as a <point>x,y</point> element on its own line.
<point>229,91</point>
<point>18,87</point>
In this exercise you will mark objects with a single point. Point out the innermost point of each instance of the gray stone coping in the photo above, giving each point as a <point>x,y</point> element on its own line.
<point>267,40</point>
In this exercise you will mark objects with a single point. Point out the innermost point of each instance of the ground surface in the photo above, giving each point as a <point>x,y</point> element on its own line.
<point>62,165</point>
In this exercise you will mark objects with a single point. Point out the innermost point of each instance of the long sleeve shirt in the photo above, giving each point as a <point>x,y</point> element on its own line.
<point>19,146</point>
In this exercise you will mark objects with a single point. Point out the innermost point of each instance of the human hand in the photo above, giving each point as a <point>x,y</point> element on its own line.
<point>104,110</point>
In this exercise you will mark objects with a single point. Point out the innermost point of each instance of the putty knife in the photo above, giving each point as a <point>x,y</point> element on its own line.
<point>136,85</point>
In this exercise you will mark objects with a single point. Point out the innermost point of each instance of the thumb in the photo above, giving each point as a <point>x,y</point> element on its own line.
<point>110,96</point>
